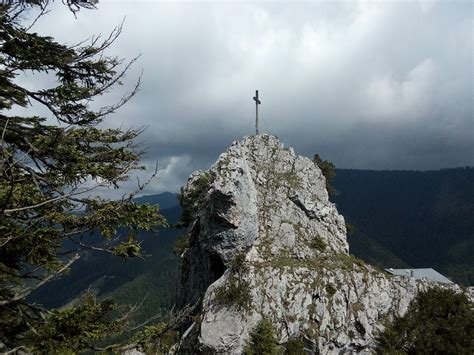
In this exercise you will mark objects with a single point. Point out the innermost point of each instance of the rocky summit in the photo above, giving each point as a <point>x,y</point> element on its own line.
<point>265,242</point>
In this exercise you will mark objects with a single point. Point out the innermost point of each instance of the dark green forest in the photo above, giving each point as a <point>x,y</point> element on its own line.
<point>151,281</point>
<point>400,219</point>
<point>411,218</point>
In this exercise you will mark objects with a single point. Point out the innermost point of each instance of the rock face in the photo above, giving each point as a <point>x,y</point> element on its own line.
<point>267,242</point>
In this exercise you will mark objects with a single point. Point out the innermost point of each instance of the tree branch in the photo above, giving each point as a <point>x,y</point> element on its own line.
<point>21,295</point>
<point>66,196</point>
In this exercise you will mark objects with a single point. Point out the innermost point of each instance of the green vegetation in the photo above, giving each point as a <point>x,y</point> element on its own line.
<point>262,340</point>
<point>325,261</point>
<point>234,293</point>
<point>330,289</point>
<point>150,281</point>
<point>349,229</point>
<point>68,329</point>
<point>349,262</point>
<point>156,339</point>
<point>182,244</point>
<point>410,219</point>
<point>319,244</point>
<point>329,172</point>
<point>191,200</point>
<point>438,321</point>
<point>294,347</point>
<point>50,216</point>
<point>238,264</point>
<point>357,307</point>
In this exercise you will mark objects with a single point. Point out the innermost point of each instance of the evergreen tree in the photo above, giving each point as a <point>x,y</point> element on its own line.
<point>329,172</point>
<point>74,5</point>
<point>262,340</point>
<point>438,321</point>
<point>50,168</point>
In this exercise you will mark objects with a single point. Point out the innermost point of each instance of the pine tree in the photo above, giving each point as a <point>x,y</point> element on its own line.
<point>329,171</point>
<point>438,321</point>
<point>262,339</point>
<point>50,168</point>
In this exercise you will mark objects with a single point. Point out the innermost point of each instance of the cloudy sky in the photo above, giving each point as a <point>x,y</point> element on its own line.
<point>366,84</point>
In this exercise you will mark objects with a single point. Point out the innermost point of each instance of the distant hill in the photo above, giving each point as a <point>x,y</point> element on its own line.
<point>411,218</point>
<point>165,200</point>
<point>153,279</point>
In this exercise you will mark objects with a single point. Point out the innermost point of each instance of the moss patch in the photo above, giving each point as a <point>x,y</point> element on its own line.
<point>358,307</point>
<point>330,289</point>
<point>294,347</point>
<point>319,244</point>
<point>234,293</point>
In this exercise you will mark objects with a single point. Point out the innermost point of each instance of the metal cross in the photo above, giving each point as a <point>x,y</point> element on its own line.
<point>257,102</point>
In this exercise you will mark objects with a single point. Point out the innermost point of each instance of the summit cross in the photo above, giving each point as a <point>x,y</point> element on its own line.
<point>257,102</point>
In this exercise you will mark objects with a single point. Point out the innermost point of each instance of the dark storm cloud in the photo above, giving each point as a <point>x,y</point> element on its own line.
<point>383,85</point>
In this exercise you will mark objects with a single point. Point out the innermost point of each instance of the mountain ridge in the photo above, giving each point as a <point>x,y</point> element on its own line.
<point>122,286</point>
<point>266,243</point>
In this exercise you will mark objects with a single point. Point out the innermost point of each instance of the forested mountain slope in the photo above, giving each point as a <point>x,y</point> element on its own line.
<point>152,280</point>
<point>411,218</point>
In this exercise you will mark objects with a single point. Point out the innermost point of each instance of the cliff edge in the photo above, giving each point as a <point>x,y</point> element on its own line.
<point>266,242</point>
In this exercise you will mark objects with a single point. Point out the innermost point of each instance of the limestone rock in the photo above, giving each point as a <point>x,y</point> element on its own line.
<point>267,242</point>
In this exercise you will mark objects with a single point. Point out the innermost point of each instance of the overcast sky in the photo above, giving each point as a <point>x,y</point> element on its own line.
<point>372,85</point>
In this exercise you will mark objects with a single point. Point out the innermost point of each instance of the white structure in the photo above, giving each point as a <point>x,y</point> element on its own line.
<point>428,273</point>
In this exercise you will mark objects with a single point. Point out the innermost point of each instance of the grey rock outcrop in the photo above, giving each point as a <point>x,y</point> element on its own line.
<point>267,242</point>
